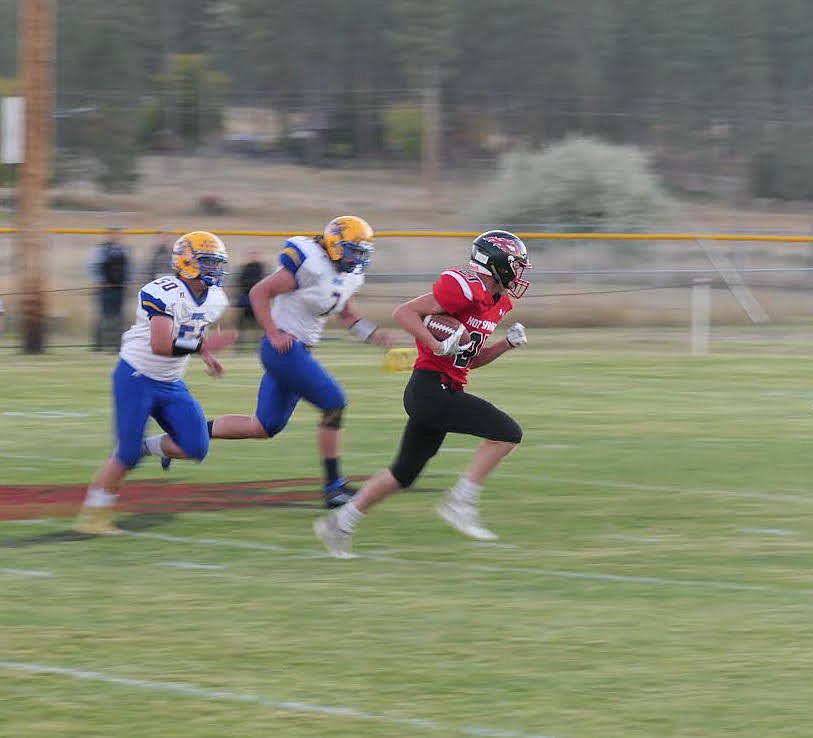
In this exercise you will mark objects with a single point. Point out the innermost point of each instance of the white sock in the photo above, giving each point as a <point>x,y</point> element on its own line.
<point>152,446</point>
<point>465,492</point>
<point>347,516</point>
<point>98,497</point>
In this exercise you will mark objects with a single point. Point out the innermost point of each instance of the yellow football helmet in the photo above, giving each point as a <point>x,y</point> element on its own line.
<point>200,255</point>
<point>348,241</point>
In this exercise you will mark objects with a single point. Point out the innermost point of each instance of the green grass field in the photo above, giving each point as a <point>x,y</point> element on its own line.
<point>654,575</point>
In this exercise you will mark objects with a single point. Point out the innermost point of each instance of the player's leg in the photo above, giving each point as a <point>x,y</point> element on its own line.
<point>238,426</point>
<point>501,433</point>
<point>419,443</point>
<point>275,406</point>
<point>132,399</point>
<point>98,324</point>
<point>180,414</point>
<point>275,402</point>
<point>297,374</point>
<point>317,386</point>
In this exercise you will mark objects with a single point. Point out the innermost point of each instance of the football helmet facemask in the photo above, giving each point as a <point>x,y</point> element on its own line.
<point>200,255</point>
<point>348,241</point>
<point>504,256</point>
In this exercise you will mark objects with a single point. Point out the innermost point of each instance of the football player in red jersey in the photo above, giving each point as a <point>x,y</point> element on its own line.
<point>436,403</point>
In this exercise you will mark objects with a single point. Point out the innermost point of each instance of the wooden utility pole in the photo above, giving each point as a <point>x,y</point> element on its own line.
<point>36,64</point>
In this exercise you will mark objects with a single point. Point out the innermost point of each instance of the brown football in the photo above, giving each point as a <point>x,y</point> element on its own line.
<point>441,326</point>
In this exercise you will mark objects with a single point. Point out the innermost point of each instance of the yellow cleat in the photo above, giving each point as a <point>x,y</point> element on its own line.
<point>96,521</point>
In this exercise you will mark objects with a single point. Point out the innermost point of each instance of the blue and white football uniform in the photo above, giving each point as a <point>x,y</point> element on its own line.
<point>321,291</point>
<point>147,385</point>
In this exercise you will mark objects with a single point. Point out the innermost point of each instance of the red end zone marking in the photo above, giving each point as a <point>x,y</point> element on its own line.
<point>24,502</point>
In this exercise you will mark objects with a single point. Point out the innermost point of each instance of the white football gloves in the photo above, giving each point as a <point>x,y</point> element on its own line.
<point>451,346</point>
<point>516,336</point>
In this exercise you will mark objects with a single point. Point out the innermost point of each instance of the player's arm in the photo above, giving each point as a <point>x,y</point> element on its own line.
<point>161,338</point>
<point>514,338</point>
<point>281,281</point>
<point>162,323</point>
<point>489,353</point>
<point>410,316</point>
<point>163,343</point>
<point>363,328</point>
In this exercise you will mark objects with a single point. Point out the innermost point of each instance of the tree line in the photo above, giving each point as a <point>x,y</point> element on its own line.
<point>712,83</point>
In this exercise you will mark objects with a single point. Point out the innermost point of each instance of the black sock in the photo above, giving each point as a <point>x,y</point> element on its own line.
<point>209,427</point>
<point>331,470</point>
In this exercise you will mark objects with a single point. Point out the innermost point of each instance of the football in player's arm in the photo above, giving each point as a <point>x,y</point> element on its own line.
<point>434,398</point>
<point>173,315</point>
<point>316,278</point>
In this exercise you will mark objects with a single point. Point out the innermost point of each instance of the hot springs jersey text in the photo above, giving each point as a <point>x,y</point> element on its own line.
<point>169,296</point>
<point>462,294</point>
<point>321,290</point>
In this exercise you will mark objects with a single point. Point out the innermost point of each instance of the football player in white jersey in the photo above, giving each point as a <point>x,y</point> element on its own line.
<point>172,316</point>
<point>317,277</point>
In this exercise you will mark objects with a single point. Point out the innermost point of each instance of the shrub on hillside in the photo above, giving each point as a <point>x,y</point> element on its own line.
<point>581,182</point>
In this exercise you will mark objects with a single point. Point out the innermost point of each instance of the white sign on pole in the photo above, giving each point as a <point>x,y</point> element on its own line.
<point>12,130</point>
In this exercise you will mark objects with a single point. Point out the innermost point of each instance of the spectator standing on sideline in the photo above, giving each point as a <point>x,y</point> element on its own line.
<point>2,318</point>
<point>110,269</point>
<point>161,257</point>
<point>250,273</point>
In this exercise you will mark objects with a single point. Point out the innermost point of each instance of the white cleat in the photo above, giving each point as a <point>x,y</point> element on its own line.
<point>336,541</point>
<point>466,519</point>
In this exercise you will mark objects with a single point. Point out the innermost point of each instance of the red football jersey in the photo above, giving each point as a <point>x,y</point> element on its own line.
<point>462,294</point>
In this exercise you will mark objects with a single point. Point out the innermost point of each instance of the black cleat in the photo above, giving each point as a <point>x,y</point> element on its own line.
<point>339,493</point>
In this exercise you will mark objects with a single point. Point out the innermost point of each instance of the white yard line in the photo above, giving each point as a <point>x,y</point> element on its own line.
<point>34,521</point>
<point>211,542</point>
<point>592,576</point>
<point>46,414</point>
<point>769,531</point>
<point>205,694</point>
<point>194,565</point>
<point>31,573</point>
<point>605,577</point>
<point>633,539</point>
<point>657,488</point>
<point>44,459</point>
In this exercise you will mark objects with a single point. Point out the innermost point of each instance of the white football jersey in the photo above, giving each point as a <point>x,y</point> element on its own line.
<point>169,296</point>
<point>321,290</point>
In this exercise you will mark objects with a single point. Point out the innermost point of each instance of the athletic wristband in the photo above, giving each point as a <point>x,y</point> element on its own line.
<point>363,329</point>
<point>184,345</point>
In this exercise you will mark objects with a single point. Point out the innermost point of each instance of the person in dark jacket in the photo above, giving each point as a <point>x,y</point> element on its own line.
<point>250,273</point>
<point>110,270</point>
